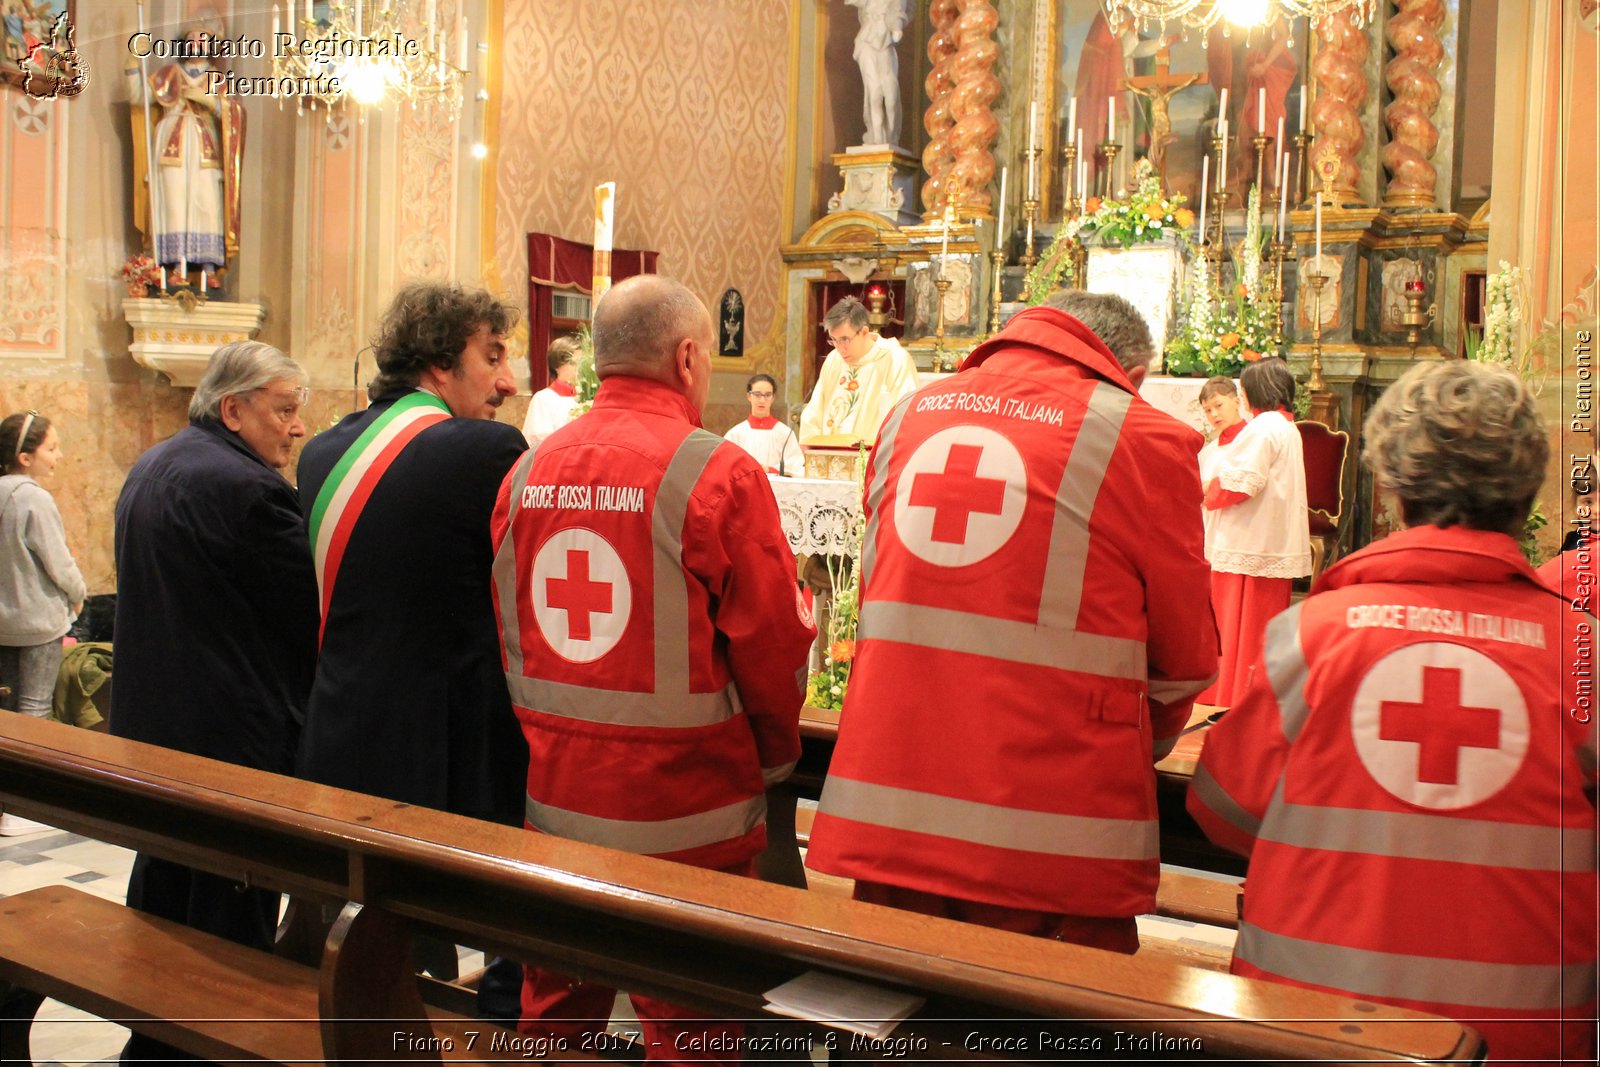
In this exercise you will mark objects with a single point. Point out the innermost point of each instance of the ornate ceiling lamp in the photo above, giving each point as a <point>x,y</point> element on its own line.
<point>1243,15</point>
<point>371,51</point>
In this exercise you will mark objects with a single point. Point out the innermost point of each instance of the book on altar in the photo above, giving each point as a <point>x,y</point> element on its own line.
<point>833,455</point>
<point>869,1010</point>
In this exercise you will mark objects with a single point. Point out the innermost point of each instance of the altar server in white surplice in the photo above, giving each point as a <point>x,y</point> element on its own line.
<point>551,407</point>
<point>773,444</point>
<point>861,380</point>
<point>1219,402</point>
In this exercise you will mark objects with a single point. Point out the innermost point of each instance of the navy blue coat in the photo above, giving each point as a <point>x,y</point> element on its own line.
<point>410,698</point>
<point>216,603</point>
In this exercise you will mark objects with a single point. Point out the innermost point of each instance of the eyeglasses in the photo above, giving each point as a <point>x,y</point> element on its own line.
<point>761,396</point>
<point>840,342</point>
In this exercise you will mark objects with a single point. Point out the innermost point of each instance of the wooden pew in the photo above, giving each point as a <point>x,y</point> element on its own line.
<point>700,938</point>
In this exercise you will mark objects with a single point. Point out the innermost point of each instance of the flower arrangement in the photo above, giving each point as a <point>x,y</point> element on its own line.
<point>588,381</point>
<point>826,688</point>
<point>1222,331</point>
<point>139,273</point>
<point>1147,215</point>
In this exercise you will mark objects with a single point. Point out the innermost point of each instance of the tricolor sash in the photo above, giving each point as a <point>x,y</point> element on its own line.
<point>349,486</point>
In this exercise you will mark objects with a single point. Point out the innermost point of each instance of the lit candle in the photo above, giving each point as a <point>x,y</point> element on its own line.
<point>1261,111</point>
<point>1111,119</point>
<point>1283,199</point>
<point>1277,164</point>
<point>1318,260</point>
<point>1000,222</point>
<point>1205,187</point>
<point>1072,113</point>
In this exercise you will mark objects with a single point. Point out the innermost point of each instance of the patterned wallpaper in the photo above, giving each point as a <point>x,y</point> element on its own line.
<point>683,103</point>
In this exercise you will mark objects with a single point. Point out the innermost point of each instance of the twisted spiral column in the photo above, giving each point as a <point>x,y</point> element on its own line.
<point>1413,34</point>
<point>1342,50</point>
<point>939,156</point>
<point>976,129</point>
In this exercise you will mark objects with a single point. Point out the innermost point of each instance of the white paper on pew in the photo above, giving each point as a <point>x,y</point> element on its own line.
<point>855,1006</point>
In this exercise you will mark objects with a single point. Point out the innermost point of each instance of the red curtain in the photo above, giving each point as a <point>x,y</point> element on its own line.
<point>556,263</point>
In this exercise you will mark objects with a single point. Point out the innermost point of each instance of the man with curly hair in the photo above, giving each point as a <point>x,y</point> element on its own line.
<point>1411,769</point>
<point>410,701</point>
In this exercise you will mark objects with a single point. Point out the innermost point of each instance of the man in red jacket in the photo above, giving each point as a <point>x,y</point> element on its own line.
<point>654,641</point>
<point>1411,769</point>
<point>1034,627</point>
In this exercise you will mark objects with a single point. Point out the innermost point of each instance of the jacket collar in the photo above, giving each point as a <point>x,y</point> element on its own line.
<point>645,395</point>
<point>1056,334</point>
<point>216,429</point>
<point>1431,555</point>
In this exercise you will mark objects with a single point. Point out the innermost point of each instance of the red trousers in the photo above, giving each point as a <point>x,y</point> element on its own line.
<point>1244,605</point>
<point>564,1009</point>
<point>1114,935</point>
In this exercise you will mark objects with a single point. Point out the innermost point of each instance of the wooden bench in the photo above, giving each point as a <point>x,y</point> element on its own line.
<point>707,940</point>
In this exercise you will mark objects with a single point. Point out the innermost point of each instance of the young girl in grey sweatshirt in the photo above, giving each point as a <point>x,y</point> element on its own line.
<point>41,589</point>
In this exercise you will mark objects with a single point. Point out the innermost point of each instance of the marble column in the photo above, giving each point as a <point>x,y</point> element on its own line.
<point>967,182</point>
<point>939,155</point>
<point>1341,93</point>
<point>1413,35</point>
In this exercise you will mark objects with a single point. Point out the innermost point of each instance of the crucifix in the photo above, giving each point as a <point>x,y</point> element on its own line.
<point>1159,88</point>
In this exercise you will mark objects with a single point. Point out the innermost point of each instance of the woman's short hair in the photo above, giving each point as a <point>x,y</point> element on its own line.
<point>237,368</point>
<point>428,325</point>
<point>1460,444</point>
<point>568,348</point>
<point>1268,385</point>
<point>19,434</point>
<point>754,378</point>
<point>1221,385</point>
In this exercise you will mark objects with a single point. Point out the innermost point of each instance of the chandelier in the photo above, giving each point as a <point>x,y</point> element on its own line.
<point>1240,14</point>
<point>371,51</point>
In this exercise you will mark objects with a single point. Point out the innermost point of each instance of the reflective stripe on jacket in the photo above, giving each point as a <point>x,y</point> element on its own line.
<point>654,649</point>
<point>1407,773</point>
<point>1034,627</point>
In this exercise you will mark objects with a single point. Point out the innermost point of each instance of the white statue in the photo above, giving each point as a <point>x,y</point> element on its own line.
<point>882,23</point>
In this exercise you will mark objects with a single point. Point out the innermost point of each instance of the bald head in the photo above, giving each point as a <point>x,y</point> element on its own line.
<point>640,324</point>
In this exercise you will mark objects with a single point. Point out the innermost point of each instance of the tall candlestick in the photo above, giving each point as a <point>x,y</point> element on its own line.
<point>1027,188</point>
<point>1222,164</point>
<point>1222,105</point>
<point>1319,235</point>
<point>944,239</point>
<point>1277,164</point>
<point>1033,125</point>
<point>1205,187</point>
<point>1111,119</point>
<point>1283,198</point>
<point>1072,114</point>
<point>1261,111</point>
<point>1000,222</point>
<point>1302,108</point>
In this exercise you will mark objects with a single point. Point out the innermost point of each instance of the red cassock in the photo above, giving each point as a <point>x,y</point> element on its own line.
<point>1034,627</point>
<point>1408,775</point>
<point>655,650</point>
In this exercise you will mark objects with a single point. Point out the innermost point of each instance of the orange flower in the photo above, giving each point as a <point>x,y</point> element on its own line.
<point>1153,211</point>
<point>1240,290</point>
<point>1229,341</point>
<point>1091,205</point>
<point>852,385</point>
<point>1250,355</point>
<point>1184,216</point>
<point>842,651</point>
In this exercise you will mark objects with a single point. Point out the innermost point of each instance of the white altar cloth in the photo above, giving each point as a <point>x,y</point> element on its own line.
<point>818,514</point>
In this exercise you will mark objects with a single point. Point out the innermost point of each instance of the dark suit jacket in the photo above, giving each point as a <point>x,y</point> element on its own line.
<point>410,698</point>
<point>217,603</point>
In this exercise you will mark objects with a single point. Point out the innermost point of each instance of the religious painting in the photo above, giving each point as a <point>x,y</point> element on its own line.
<point>1332,293</point>
<point>1162,87</point>
<point>922,314</point>
<point>730,324</point>
<point>38,53</point>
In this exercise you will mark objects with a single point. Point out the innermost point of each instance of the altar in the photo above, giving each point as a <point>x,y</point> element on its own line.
<point>1178,397</point>
<point>819,514</point>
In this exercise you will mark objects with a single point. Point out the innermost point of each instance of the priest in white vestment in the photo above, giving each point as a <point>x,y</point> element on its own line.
<point>861,380</point>
<point>773,444</point>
